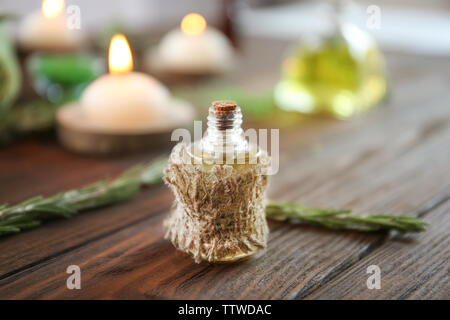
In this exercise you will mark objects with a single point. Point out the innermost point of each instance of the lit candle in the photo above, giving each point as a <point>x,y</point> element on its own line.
<point>122,111</point>
<point>195,48</point>
<point>47,29</point>
<point>123,99</point>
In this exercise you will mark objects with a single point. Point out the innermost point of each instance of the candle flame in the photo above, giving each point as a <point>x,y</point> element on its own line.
<point>52,8</point>
<point>193,24</point>
<point>120,58</point>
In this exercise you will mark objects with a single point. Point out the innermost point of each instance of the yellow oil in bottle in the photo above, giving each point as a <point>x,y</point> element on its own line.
<point>340,74</point>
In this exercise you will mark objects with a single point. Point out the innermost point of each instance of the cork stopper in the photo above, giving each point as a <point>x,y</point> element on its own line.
<point>224,114</point>
<point>224,105</point>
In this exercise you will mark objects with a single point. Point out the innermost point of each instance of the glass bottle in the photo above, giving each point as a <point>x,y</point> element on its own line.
<point>339,73</point>
<point>221,207</point>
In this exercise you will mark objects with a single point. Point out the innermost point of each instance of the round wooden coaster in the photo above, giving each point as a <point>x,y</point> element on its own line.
<point>166,74</point>
<point>77,134</point>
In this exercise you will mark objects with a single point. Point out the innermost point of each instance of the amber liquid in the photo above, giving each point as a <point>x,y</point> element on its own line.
<point>249,157</point>
<point>238,160</point>
<point>342,76</point>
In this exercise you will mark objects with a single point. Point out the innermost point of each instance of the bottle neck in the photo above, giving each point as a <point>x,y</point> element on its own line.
<point>224,134</point>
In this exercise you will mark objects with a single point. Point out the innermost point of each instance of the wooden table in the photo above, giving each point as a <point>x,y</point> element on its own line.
<point>393,159</point>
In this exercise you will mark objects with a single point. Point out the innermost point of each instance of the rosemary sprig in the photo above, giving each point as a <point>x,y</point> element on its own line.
<point>341,220</point>
<point>31,213</point>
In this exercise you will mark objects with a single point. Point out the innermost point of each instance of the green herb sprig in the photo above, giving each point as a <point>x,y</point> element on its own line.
<point>341,219</point>
<point>31,213</point>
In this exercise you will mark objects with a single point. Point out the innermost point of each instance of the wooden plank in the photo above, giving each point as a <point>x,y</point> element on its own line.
<point>136,262</point>
<point>36,245</point>
<point>49,169</point>
<point>350,154</point>
<point>411,268</point>
<point>40,166</point>
<point>27,249</point>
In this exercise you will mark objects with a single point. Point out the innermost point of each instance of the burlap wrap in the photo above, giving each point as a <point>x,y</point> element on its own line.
<point>218,213</point>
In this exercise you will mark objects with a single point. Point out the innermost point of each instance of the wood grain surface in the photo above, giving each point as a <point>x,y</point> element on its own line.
<point>411,267</point>
<point>394,159</point>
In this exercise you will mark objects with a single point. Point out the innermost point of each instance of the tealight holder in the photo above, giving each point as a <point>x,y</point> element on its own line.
<point>193,51</point>
<point>50,50</point>
<point>80,135</point>
<point>62,77</point>
<point>121,111</point>
<point>48,30</point>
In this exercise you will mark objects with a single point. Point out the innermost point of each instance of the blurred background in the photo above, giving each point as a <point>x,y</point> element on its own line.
<point>407,24</point>
<point>282,60</point>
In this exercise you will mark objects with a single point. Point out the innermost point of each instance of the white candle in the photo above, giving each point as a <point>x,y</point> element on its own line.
<point>122,99</point>
<point>47,29</point>
<point>195,48</point>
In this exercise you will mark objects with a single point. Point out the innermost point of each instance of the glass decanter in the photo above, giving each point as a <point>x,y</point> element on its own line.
<point>339,72</point>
